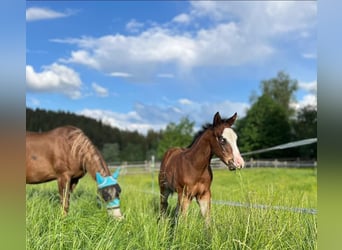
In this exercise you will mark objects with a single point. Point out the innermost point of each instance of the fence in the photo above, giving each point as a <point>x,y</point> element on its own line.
<point>151,166</point>
<point>216,163</point>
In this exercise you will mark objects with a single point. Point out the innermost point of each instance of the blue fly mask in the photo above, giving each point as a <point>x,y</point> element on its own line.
<point>109,189</point>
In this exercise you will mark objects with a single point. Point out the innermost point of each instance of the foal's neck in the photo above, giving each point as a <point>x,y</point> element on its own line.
<point>200,152</point>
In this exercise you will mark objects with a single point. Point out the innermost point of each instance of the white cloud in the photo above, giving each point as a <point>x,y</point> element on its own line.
<point>261,17</point>
<point>134,26</point>
<point>309,55</point>
<point>306,100</point>
<point>35,13</point>
<point>143,54</point>
<point>308,86</point>
<point>54,78</point>
<point>82,57</point>
<point>240,33</point>
<point>309,98</point>
<point>165,75</point>
<point>182,18</point>
<point>100,91</point>
<point>129,121</point>
<point>120,74</point>
<point>144,117</point>
<point>185,101</point>
<point>32,102</point>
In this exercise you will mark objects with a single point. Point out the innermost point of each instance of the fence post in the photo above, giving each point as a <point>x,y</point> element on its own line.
<point>152,170</point>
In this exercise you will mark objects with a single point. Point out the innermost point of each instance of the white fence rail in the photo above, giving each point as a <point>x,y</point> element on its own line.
<point>151,166</point>
<point>148,166</point>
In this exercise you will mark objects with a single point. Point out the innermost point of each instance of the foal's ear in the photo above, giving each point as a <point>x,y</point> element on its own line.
<point>217,119</point>
<point>232,119</point>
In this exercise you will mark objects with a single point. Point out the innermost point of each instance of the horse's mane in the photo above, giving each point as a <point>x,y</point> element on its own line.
<point>84,150</point>
<point>200,133</point>
<point>204,128</point>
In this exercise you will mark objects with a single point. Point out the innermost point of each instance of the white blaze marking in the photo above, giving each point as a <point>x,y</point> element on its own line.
<point>231,138</point>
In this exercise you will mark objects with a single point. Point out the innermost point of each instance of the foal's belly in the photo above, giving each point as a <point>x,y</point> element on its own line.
<point>198,189</point>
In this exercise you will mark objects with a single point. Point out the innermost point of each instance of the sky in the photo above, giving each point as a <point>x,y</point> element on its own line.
<point>139,65</point>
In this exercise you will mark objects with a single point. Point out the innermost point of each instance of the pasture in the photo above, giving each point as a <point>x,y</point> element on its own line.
<point>274,225</point>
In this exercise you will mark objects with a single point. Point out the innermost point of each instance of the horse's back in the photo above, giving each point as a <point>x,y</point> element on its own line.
<point>170,156</point>
<point>45,151</point>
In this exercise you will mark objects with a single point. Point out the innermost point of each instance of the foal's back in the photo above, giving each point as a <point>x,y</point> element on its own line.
<point>176,169</point>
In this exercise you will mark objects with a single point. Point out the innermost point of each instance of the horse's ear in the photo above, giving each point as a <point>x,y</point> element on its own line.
<point>232,119</point>
<point>116,173</point>
<point>217,119</point>
<point>99,178</point>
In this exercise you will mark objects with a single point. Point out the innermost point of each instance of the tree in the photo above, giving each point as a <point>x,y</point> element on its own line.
<point>267,122</point>
<point>111,152</point>
<point>281,90</point>
<point>305,126</point>
<point>152,141</point>
<point>265,125</point>
<point>175,135</point>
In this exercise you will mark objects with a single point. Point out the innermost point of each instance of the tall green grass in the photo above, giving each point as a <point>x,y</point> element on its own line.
<point>87,225</point>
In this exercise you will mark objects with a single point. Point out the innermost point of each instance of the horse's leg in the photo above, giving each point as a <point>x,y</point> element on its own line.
<point>204,203</point>
<point>73,184</point>
<point>64,192</point>
<point>183,202</point>
<point>164,194</point>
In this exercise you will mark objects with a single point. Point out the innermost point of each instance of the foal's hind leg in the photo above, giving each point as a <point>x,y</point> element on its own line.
<point>164,195</point>
<point>64,192</point>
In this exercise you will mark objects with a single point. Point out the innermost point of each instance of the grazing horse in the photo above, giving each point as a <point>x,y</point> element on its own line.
<point>187,170</point>
<point>66,154</point>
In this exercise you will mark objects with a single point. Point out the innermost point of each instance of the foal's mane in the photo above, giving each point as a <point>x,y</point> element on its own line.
<point>204,128</point>
<point>200,133</point>
<point>84,150</point>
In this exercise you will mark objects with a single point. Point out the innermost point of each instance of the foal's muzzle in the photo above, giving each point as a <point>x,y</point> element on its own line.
<point>115,212</point>
<point>113,209</point>
<point>231,166</point>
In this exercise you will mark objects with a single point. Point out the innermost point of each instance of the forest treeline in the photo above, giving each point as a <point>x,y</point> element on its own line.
<point>270,121</point>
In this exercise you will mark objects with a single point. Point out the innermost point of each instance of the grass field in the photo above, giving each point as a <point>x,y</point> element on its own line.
<point>273,226</point>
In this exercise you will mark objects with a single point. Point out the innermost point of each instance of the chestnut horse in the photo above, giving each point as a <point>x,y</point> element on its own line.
<point>66,154</point>
<point>187,170</point>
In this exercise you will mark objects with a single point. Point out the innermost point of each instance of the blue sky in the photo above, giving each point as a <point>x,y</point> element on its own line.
<point>141,65</point>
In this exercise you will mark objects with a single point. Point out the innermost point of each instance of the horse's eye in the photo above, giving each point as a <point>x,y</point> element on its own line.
<point>222,140</point>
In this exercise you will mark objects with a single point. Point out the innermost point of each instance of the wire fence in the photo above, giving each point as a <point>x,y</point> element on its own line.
<point>216,163</point>
<point>150,166</point>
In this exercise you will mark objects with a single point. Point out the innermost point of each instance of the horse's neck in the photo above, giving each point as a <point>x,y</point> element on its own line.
<point>95,163</point>
<point>200,151</point>
<point>90,158</point>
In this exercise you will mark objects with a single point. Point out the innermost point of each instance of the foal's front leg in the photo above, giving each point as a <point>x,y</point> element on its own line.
<point>184,201</point>
<point>204,203</point>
